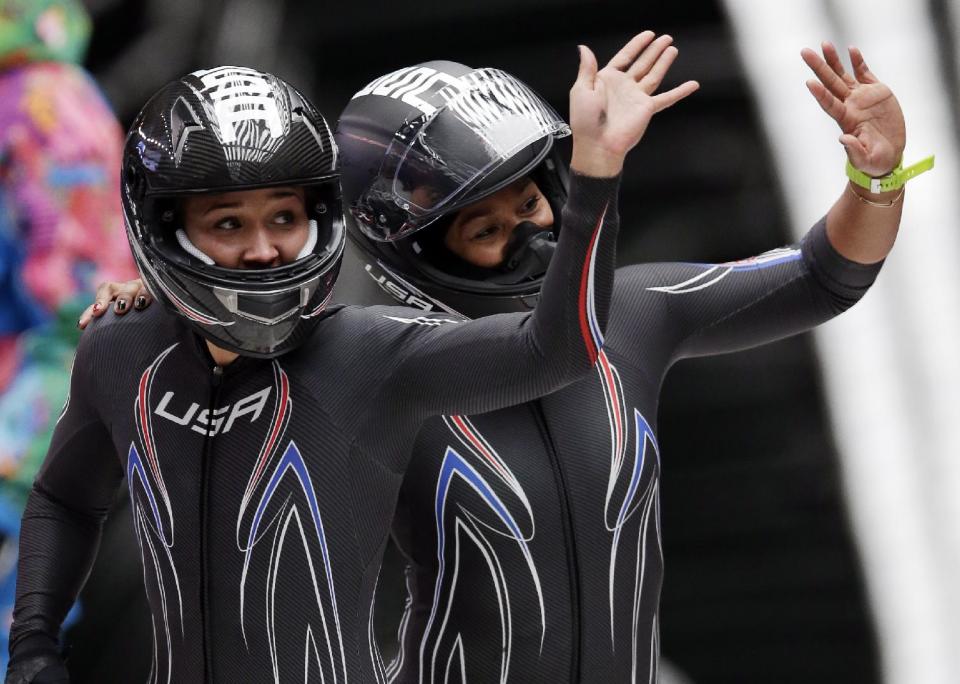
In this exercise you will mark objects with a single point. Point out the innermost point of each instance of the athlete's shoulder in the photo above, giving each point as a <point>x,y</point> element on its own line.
<point>631,282</point>
<point>113,350</point>
<point>383,316</point>
<point>666,277</point>
<point>349,334</point>
<point>135,330</point>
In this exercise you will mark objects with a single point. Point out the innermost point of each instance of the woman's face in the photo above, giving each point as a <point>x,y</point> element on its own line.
<point>480,232</point>
<point>259,228</point>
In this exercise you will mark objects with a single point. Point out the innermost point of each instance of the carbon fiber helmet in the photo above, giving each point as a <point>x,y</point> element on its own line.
<point>421,143</point>
<point>223,130</point>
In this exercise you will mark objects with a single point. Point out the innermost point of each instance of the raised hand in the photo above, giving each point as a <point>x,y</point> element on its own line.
<point>610,109</point>
<point>866,110</point>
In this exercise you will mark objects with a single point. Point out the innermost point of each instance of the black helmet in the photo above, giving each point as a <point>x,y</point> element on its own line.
<point>419,144</point>
<point>222,130</point>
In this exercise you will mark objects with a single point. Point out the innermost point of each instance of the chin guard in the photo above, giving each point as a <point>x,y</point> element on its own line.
<point>527,254</point>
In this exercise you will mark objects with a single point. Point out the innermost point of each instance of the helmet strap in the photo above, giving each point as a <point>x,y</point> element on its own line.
<point>191,248</point>
<point>311,241</point>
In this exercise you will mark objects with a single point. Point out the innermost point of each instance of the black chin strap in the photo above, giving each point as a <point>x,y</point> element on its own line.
<point>526,255</point>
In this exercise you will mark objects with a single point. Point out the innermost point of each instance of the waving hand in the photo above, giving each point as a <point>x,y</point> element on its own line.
<point>869,116</point>
<point>610,109</point>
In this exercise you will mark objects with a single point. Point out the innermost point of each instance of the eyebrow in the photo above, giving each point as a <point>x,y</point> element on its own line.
<point>468,215</point>
<point>279,194</point>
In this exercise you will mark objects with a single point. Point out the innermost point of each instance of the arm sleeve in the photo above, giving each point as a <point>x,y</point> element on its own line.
<point>495,361</point>
<point>683,310</point>
<point>60,532</point>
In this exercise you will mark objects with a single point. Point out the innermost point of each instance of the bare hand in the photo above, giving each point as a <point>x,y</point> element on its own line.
<point>866,110</point>
<point>611,109</point>
<point>132,291</point>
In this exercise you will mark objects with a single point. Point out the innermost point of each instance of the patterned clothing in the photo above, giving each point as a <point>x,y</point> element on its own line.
<point>60,234</point>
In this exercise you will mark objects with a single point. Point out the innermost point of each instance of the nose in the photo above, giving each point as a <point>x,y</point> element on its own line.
<point>525,224</point>
<point>261,252</point>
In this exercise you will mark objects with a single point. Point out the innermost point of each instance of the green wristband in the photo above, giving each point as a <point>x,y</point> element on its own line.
<point>892,181</point>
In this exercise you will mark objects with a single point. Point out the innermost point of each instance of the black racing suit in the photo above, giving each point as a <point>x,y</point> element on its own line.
<point>533,532</point>
<point>262,492</point>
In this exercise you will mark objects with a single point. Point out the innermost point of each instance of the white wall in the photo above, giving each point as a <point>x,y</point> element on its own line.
<point>892,364</point>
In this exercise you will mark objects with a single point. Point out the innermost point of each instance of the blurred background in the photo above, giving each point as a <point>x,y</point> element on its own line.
<point>811,487</point>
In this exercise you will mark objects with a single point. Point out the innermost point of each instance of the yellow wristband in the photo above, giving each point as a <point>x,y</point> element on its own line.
<point>892,181</point>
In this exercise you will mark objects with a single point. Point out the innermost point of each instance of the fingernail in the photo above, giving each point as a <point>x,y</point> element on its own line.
<point>80,323</point>
<point>97,306</point>
<point>140,302</point>
<point>121,305</point>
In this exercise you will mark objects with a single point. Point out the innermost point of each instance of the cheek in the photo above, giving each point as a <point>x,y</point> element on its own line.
<point>221,248</point>
<point>544,215</point>
<point>490,254</point>
<point>290,242</point>
<point>487,254</point>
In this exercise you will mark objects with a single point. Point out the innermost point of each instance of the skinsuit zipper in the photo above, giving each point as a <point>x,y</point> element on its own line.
<point>566,518</point>
<point>215,381</point>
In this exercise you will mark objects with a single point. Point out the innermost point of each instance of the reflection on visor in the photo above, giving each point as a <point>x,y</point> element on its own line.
<point>478,125</point>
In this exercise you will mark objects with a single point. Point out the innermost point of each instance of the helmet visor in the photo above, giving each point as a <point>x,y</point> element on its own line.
<point>439,157</point>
